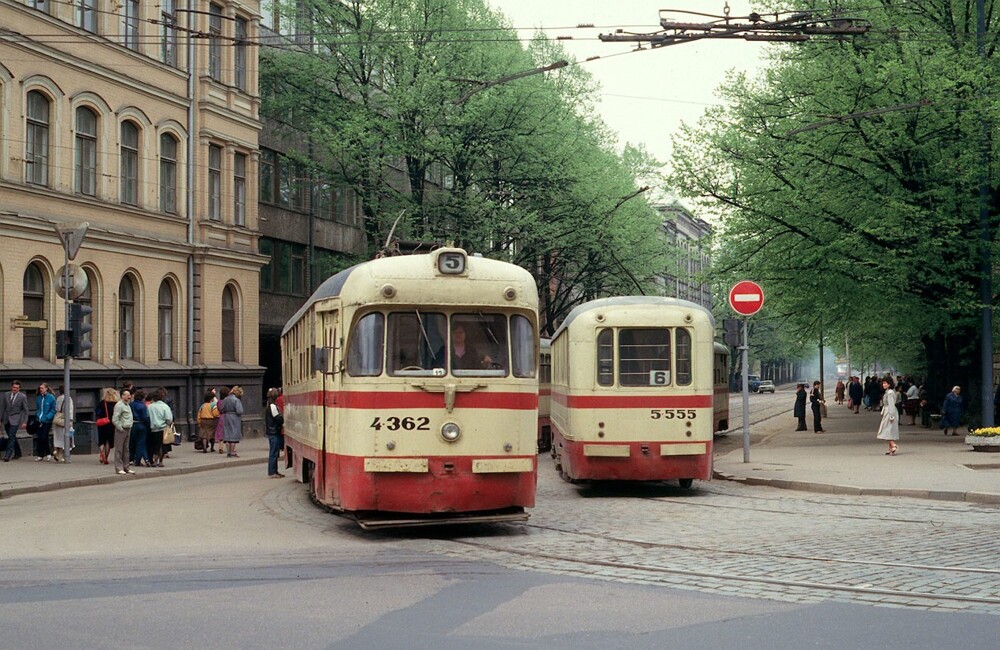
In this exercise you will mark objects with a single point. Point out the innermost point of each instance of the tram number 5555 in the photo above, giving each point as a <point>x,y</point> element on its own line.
<point>673,414</point>
<point>406,424</point>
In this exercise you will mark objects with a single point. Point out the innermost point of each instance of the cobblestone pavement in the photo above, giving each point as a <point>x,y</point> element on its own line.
<point>732,539</point>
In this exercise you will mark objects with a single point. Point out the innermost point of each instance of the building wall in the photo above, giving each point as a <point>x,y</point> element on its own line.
<point>120,70</point>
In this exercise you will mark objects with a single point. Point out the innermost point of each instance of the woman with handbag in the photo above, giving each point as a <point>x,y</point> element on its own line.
<point>220,421</point>
<point>206,421</point>
<point>106,430</point>
<point>161,421</point>
<point>60,425</point>
<point>231,409</point>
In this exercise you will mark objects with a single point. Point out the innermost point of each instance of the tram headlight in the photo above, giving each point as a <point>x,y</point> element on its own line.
<point>451,431</point>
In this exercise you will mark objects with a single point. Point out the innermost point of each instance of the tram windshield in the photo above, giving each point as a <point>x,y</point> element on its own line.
<point>644,357</point>
<point>432,344</point>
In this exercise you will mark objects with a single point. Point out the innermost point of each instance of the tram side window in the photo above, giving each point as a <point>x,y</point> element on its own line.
<point>364,358</point>
<point>682,353</point>
<point>416,343</point>
<point>479,345</point>
<point>644,357</point>
<point>605,358</point>
<point>522,345</point>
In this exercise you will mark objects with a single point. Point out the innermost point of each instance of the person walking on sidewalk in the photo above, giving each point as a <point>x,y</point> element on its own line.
<point>122,419</point>
<point>45,409</point>
<point>13,416</point>
<point>799,410</point>
<point>816,401</point>
<point>888,427</point>
<point>856,393</point>
<point>951,413</point>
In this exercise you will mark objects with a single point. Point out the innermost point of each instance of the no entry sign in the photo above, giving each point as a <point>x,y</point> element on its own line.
<point>746,298</point>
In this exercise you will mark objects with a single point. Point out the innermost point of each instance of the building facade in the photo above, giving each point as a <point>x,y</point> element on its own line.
<point>141,119</point>
<point>688,240</point>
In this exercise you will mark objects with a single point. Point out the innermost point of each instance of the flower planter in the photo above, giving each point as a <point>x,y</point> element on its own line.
<point>983,443</point>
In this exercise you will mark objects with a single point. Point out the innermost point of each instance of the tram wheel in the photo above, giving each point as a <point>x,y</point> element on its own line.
<point>686,483</point>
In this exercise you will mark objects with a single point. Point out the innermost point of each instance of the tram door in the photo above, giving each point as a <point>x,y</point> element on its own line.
<point>329,331</point>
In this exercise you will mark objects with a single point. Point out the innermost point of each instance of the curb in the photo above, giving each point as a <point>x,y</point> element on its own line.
<point>985,498</point>
<point>115,478</point>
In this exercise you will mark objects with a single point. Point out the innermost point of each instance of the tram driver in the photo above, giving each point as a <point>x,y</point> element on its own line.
<point>465,355</point>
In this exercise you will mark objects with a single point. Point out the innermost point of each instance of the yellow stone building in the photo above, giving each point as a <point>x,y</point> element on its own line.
<point>141,119</point>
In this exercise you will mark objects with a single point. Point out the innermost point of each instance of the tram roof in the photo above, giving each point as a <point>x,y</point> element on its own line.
<point>630,301</point>
<point>387,266</point>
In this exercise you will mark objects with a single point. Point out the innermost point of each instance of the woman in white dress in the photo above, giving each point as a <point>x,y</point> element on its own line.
<point>888,428</point>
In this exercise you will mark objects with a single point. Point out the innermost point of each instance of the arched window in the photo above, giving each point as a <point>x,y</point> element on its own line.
<point>168,174</point>
<point>165,321</point>
<point>130,163</point>
<point>126,318</point>
<point>87,298</point>
<point>86,151</point>
<point>34,309</point>
<point>229,324</point>
<point>36,160</point>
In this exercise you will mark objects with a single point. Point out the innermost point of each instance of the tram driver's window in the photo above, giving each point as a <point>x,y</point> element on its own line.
<point>364,357</point>
<point>644,357</point>
<point>416,343</point>
<point>479,345</point>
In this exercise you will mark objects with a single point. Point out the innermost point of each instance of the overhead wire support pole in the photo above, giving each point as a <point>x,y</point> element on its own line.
<point>986,239</point>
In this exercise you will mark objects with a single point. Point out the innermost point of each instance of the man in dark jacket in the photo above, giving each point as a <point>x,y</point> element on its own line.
<point>13,416</point>
<point>800,407</point>
<point>856,393</point>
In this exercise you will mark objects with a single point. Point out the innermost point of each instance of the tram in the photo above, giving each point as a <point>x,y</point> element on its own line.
<point>720,402</point>
<point>411,391</point>
<point>632,391</point>
<point>544,391</point>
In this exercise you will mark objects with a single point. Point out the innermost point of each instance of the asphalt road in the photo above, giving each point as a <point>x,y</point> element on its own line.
<point>227,559</point>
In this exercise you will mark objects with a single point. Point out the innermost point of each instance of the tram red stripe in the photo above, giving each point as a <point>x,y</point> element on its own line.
<point>413,400</point>
<point>632,401</point>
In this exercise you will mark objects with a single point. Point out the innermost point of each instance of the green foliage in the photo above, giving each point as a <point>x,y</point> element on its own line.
<point>857,220</point>
<point>393,95</point>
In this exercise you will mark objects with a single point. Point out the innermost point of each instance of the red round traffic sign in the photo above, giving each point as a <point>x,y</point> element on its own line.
<point>746,298</point>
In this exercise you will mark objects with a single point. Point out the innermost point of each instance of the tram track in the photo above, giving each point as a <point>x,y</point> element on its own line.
<point>734,579</point>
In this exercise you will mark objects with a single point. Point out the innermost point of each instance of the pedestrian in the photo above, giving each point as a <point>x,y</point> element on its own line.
<point>221,422</point>
<point>273,421</point>
<point>61,425</point>
<point>799,410</point>
<point>856,393</point>
<point>888,427</point>
<point>951,411</point>
<point>912,404</point>
<point>207,421</point>
<point>106,430</point>
<point>13,416</point>
<point>925,407</point>
<point>838,394</point>
<point>122,419</point>
<point>816,402</point>
<point>45,411</point>
<point>231,409</point>
<point>160,416</point>
<point>140,428</point>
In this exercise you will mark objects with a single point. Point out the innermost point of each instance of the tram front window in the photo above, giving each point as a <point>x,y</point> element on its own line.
<point>479,345</point>
<point>416,343</point>
<point>644,357</point>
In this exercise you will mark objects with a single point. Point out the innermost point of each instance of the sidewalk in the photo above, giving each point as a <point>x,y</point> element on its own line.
<point>848,459</point>
<point>25,475</point>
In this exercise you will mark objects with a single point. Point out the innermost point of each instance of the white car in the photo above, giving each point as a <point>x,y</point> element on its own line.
<point>765,386</point>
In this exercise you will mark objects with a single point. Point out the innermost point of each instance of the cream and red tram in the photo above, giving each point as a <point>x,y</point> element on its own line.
<point>632,391</point>
<point>411,390</point>
<point>544,390</point>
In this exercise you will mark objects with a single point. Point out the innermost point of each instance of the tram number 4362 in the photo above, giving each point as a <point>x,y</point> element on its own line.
<point>673,414</point>
<point>394,423</point>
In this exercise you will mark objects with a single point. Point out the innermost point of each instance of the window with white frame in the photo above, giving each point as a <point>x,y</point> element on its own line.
<point>214,182</point>
<point>85,152</point>
<point>240,189</point>
<point>130,24</point>
<point>168,173</point>
<point>36,160</point>
<point>130,164</point>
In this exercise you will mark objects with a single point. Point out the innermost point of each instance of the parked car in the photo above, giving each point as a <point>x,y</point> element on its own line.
<point>752,381</point>
<point>765,386</point>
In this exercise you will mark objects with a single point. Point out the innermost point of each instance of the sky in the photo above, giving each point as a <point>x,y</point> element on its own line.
<point>645,95</point>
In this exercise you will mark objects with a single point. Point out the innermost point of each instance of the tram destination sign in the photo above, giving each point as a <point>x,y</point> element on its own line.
<point>746,298</point>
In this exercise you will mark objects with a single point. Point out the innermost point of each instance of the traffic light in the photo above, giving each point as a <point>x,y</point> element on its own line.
<point>79,329</point>
<point>64,344</point>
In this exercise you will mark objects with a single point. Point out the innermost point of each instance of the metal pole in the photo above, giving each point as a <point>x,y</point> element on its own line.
<point>746,395</point>
<point>67,445</point>
<point>986,242</point>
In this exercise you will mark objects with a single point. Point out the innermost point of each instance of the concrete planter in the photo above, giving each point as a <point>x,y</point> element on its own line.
<point>982,443</point>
